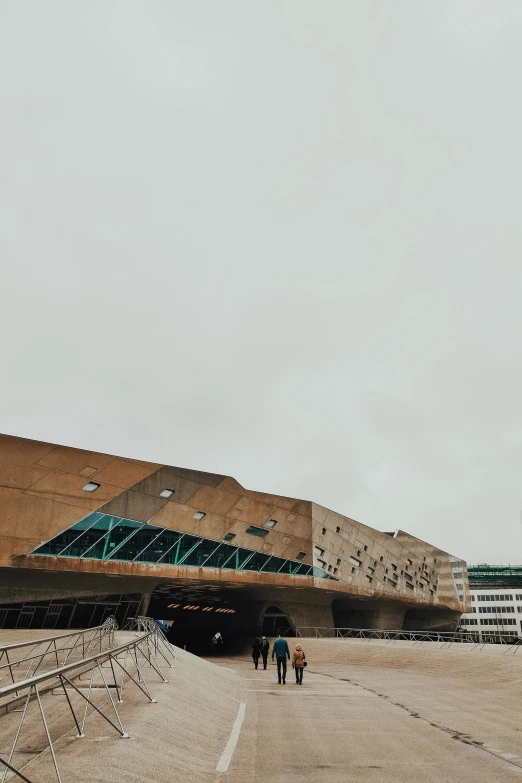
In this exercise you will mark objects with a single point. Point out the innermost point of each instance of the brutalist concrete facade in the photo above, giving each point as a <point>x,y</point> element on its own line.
<point>212,543</point>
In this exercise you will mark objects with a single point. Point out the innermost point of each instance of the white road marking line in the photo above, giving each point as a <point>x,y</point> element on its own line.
<point>294,692</point>
<point>226,756</point>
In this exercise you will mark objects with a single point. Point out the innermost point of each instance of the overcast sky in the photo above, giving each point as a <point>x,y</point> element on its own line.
<point>277,240</point>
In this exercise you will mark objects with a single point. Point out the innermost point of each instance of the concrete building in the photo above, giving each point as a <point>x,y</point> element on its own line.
<point>84,534</point>
<point>496,602</point>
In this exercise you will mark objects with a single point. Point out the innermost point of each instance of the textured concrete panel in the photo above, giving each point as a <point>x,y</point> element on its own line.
<point>19,451</point>
<point>216,500</point>
<point>67,488</point>
<point>123,473</point>
<point>252,511</point>
<point>200,477</point>
<point>163,479</point>
<point>33,518</point>
<point>74,460</point>
<point>24,476</point>
<point>134,505</point>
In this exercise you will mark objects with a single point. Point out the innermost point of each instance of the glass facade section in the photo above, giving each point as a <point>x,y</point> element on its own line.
<point>105,537</point>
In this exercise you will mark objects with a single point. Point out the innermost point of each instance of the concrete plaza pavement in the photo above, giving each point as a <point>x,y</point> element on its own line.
<point>350,721</point>
<point>365,712</point>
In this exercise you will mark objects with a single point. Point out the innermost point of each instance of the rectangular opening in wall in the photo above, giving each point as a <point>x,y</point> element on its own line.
<point>229,536</point>
<point>92,486</point>
<point>256,531</point>
<point>318,551</point>
<point>354,561</point>
<point>300,555</point>
<point>199,515</point>
<point>166,493</point>
<point>271,523</point>
<point>337,529</point>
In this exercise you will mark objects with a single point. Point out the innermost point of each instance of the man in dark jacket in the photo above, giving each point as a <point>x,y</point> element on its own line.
<point>281,652</point>
<point>265,647</point>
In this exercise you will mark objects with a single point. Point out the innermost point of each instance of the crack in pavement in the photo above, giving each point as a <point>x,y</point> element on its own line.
<point>466,739</point>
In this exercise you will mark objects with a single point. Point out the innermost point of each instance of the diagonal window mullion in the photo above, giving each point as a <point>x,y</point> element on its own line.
<point>182,536</point>
<point>189,552</point>
<point>95,543</point>
<point>266,563</point>
<point>210,555</point>
<point>125,540</point>
<point>150,542</point>
<point>80,534</point>
<point>232,554</point>
<point>284,563</point>
<point>247,560</point>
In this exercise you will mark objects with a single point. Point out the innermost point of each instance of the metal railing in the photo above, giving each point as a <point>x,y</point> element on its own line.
<point>21,660</point>
<point>444,638</point>
<point>110,671</point>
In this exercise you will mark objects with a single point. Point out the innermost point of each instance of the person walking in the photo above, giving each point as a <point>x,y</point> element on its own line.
<point>265,647</point>
<point>256,651</point>
<point>298,663</point>
<point>281,652</point>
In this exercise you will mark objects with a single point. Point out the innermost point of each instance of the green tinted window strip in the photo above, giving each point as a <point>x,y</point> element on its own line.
<point>298,571</point>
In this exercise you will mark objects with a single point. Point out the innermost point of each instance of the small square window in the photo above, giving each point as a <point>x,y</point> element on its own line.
<point>300,555</point>
<point>337,529</point>
<point>166,493</point>
<point>92,486</point>
<point>323,531</point>
<point>271,523</point>
<point>199,515</point>
<point>229,536</point>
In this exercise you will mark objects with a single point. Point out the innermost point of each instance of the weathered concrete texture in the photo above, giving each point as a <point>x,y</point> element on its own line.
<point>371,712</point>
<point>42,494</point>
<point>366,711</point>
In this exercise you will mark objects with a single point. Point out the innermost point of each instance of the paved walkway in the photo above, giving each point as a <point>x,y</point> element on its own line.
<point>331,730</point>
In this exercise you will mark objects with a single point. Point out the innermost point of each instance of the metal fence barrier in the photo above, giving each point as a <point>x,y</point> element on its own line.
<point>444,638</point>
<point>21,660</point>
<point>125,664</point>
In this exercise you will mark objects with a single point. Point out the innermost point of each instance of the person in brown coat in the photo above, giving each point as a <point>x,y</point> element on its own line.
<point>298,663</point>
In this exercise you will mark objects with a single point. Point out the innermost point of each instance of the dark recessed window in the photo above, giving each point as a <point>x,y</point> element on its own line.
<point>358,553</point>
<point>300,555</point>
<point>335,570</point>
<point>92,486</point>
<point>229,536</point>
<point>199,515</point>
<point>166,493</point>
<point>353,570</point>
<point>271,523</point>
<point>337,529</point>
<point>365,548</point>
<point>338,561</point>
<point>381,558</point>
<point>257,531</point>
<point>323,531</point>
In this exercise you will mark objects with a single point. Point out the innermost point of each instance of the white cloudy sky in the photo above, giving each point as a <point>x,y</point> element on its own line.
<point>279,240</point>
